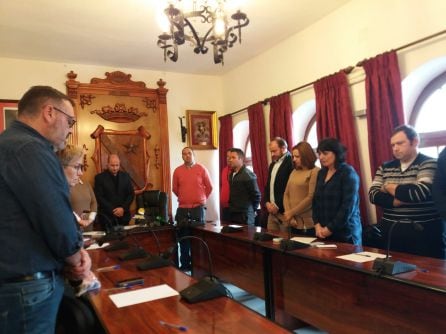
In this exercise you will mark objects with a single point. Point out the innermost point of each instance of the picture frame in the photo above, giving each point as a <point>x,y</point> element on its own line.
<point>8,112</point>
<point>202,129</point>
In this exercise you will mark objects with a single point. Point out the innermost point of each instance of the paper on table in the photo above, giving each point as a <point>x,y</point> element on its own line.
<point>235,226</point>
<point>362,257</point>
<point>143,295</point>
<point>96,246</point>
<point>305,240</point>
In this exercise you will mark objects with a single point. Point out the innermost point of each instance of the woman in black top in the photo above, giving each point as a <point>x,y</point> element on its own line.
<point>336,199</point>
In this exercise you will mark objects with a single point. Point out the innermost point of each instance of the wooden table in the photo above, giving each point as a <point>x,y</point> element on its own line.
<point>335,295</point>
<point>221,315</point>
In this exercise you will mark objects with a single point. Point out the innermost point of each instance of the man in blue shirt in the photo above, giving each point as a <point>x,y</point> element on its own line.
<point>39,236</point>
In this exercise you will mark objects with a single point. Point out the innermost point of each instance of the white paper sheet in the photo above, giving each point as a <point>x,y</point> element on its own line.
<point>96,246</point>
<point>305,240</point>
<point>362,257</point>
<point>142,295</point>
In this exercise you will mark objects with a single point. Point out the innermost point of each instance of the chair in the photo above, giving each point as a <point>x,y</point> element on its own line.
<point>154,203</point>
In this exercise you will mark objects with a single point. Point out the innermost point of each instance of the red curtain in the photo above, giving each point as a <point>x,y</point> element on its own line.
<point>334,118</point>
<point>225,139</point>
<point>384,105</point>
<point>280,118</point>
<point>257,136</point>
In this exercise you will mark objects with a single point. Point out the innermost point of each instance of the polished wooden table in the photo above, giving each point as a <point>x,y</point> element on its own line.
<point>220,315</point>
<point>335,295</point>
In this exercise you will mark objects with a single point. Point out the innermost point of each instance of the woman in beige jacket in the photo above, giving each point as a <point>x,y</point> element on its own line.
<point>300,190</point>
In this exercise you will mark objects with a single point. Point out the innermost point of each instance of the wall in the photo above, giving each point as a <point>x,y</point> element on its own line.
<point>358,30</point>
<point>185,92</point>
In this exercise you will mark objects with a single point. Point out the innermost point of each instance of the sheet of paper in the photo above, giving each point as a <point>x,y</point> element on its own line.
<point>361,257</point>
<point>305,240</point>
<point>142,295</point>
<point>96,246</point>
<point>235,226</point>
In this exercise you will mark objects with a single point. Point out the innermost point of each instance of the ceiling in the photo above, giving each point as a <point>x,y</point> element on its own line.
<point>123,33</point>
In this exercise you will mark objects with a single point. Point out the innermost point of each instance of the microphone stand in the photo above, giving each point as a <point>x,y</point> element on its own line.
<point>206,288</point>
<point>290,245</point>
<point>135,253</point>
<point>154,261</point>
<point>388,267</point>
<point>113,232</point>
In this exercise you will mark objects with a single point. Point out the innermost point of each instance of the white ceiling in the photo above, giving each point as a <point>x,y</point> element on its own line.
<point>123,33</point>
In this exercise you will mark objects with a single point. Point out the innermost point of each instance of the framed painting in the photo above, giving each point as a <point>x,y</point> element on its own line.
<point>8,110</point>
<point>202,129</point>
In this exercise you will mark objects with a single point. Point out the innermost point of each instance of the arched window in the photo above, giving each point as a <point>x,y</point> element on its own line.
<point>311,133</point>
<point>429,116</point>
<point>242,141</point>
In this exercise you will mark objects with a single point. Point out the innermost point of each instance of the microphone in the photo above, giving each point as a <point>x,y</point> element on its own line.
<point>206,288</point>
<point>290,245</point>
<point>389,267</point>
<point>113,232</point>
<point>154,261</point>
<point>135,253</point>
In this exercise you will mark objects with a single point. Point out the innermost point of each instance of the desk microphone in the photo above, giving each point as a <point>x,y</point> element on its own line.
<point>389,267</point>
<point>113,232</point>
<point>289,245</point>
<point>154,261</point>
<point>206,288</point>
<point>136,253</point>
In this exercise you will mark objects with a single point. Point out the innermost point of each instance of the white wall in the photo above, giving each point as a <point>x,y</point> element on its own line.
<point>358,30</point>
<point>185,92</point>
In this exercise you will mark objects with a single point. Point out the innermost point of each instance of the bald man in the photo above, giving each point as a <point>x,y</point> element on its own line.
<point>114,193</point>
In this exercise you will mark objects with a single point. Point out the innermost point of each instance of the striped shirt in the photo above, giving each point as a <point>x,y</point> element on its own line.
<point>414,189</point>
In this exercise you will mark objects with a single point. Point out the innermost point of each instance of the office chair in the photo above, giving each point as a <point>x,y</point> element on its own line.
<point>154,203</point>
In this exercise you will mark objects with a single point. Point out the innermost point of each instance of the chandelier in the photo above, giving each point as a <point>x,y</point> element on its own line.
<point>209,17</point>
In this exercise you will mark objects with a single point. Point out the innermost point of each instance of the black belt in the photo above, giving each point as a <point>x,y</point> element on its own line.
<point>32,277</point>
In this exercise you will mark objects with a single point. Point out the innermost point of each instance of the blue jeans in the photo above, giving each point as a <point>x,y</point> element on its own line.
<point>183,214</point>
<point>30,307</point>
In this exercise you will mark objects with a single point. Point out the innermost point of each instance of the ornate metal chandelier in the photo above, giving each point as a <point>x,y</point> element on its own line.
<point>211,18</point>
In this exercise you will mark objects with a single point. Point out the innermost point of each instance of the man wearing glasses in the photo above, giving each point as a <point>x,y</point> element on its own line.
<point>39,235</point>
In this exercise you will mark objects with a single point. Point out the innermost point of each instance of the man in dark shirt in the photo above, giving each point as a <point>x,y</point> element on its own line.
<point>114,192</point>
<point>39,235</point>
<point>244,194</point>
<point>278,173</point>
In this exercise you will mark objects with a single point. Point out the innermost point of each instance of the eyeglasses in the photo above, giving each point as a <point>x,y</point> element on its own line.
<point>71,120</point>
<point>78,168</point>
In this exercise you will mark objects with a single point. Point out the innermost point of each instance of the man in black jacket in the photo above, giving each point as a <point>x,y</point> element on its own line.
<point>114,193</point>
<point>278,174</point>
<point>244,193</point>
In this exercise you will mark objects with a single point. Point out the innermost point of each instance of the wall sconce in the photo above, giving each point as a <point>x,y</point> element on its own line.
<point>183,129</point>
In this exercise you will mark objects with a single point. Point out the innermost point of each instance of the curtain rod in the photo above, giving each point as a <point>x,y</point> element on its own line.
<point>348,70</point>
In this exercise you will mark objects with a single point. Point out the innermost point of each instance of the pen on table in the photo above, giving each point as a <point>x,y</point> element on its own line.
<point>179,327</point>
<point>110,268</point>
<point>124,287</point>
<point>366,255</point>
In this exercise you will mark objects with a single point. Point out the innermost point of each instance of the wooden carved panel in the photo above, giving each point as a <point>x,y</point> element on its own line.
<point>125,117</point>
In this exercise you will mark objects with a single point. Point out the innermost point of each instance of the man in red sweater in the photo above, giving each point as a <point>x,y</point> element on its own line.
<point>192,185</point>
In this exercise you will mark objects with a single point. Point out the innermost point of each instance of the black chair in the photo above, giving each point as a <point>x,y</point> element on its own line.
<point>76,316</point>
<point>154,203</point>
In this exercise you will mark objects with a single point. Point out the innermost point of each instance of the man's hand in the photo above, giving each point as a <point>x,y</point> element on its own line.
<point>118,212</point>
<point>389,188</point>
<point>81,269</point>
<point>272,208</point>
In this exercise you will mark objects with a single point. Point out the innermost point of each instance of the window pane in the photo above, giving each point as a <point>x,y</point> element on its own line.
<point>312,136</point>
<point>432,115</point>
